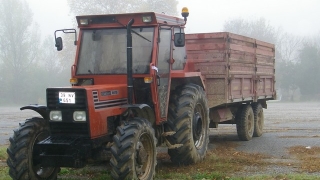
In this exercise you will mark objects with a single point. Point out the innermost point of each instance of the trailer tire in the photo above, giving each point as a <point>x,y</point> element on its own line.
<point>188,116</point>
<point>245,123</point>
<point>258,119</point>
<point>22,154</point>
<point>133,153</point>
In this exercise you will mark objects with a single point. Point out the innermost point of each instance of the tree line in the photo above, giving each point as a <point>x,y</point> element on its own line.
<point>28,65</point>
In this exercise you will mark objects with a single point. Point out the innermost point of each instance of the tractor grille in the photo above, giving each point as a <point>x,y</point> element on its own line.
<point>107,104</point>
<point>68,126</point>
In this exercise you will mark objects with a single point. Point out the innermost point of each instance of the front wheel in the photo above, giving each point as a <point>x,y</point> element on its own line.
<point>133,154</point>
<point>22,155</point>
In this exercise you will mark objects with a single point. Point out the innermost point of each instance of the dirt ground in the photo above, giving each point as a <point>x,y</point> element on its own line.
<point>291,129</point>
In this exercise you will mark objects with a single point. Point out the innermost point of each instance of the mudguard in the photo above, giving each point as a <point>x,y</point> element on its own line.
<point>41,109</point>
<point>143,111</point>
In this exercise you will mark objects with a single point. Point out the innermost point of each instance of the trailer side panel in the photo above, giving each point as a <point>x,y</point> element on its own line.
<point>236,68</point>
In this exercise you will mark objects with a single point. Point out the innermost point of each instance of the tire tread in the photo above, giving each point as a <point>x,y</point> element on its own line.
<point>181,103</point>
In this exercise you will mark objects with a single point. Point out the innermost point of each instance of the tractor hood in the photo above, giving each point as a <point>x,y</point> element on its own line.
<point>96,97</point>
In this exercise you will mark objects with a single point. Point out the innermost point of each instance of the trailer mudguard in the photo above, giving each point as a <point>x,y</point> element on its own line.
<point>41,109</point>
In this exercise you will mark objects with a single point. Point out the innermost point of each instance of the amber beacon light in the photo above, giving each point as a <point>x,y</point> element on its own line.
<point>185,13</point>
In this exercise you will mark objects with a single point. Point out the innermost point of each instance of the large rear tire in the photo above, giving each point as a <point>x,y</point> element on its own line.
<point>22,155</point>
<point>188,116</point>
<point>133,154</point>
<point>258,119</point>
<point>245,123</point>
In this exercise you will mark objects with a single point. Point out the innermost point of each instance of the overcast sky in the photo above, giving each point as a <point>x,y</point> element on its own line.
<point>294,16</point>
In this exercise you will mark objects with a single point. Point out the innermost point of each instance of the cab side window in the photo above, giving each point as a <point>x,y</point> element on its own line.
<point>179,55</point>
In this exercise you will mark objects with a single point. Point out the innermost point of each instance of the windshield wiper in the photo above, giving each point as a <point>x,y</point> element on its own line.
<point>134,31</point>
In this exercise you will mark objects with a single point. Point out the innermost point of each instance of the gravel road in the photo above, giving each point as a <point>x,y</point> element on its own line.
<point>286,125</point>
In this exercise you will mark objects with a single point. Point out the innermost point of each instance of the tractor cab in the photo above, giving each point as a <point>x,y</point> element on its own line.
<point>102,59</point>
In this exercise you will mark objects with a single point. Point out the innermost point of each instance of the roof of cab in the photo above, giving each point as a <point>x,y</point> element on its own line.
<point>123,19</point>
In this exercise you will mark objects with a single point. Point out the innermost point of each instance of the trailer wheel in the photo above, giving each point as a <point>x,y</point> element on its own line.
<point>258,119</point>
<point>189,117</point>
<point>245,123</point>
<point>22,156</point>
<point>133,154</point>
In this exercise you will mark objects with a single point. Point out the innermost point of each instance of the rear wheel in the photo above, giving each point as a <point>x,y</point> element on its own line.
<point>189,118</point>
<point>133,154</point>
<point>258,119</point>
<point>245,123</point>
<point>22,156</point>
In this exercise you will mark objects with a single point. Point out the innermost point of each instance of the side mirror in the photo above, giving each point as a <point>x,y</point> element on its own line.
<point>59,44</point>
<point>179,39</point>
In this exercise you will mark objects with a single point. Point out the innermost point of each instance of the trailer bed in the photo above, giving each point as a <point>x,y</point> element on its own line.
<point>236,68</point>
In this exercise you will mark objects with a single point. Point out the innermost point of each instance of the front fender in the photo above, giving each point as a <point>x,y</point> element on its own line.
<point>41,109</point>
<point>143,111</point>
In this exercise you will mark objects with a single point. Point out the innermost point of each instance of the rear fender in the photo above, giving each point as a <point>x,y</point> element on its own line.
<point>41,109</point>
<point>143,111</point>
<point>198,80</point>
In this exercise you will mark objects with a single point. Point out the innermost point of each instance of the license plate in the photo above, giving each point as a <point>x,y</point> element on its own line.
<point>67,97</point>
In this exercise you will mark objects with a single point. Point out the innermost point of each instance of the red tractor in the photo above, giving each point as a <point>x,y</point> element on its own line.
<point>133,89</point>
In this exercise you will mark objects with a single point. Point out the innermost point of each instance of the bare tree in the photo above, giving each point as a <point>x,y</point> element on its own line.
<point>259,29</point>
<point>19,42</point>
<point>288,45</point>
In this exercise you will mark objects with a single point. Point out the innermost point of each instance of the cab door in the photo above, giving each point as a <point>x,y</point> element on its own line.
<point>163,65</point>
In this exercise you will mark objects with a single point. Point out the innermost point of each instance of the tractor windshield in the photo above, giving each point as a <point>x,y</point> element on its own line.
<point>104,51</point>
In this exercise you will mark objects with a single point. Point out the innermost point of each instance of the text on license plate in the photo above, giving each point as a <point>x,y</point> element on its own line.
<point>67,97</point>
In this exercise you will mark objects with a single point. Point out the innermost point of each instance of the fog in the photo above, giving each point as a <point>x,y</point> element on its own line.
<point>27,68</point>
<point>295,16</point>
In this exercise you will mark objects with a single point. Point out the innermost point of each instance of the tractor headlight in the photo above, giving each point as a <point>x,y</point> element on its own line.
<point>84,22</point>
<point>79,116</point>
<point>146,19</point>
<point>55,116</point>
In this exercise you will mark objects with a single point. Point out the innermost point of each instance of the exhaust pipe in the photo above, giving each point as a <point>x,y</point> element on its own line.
<point>129,62</point>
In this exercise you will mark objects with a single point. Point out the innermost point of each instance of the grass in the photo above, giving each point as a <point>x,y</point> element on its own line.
<point>308,156</point>
<point>89,172</point>
<point>219,163</point>
<point>3,153</point>
<point>4,170</point>
<point>4,173</point>
<point>222,163</point>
